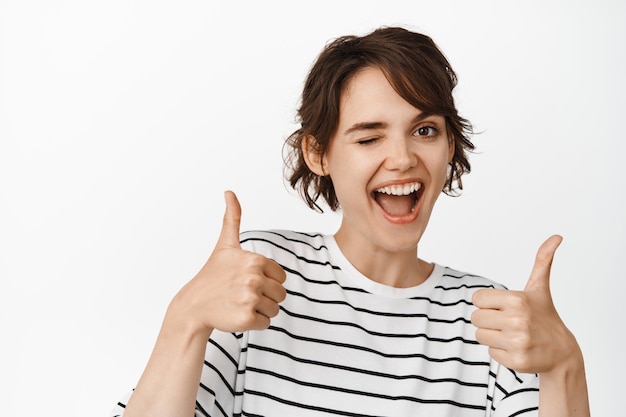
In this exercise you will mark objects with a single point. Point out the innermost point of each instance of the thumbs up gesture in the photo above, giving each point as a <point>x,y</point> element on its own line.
<point>522,328</point>
<point>236,290</point>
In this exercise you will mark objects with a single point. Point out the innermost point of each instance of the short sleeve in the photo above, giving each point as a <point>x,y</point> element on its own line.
<point>118,410</point>
<point>514,394</point>
<point>221,383</point>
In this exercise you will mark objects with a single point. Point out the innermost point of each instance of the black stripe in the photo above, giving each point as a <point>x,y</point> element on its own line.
<point>441,287</point>
<point>348,413</point>
<point>517,378</point>
<point>309,234</point>
<point>463,275</point>
<point>376,352</point>
<point>221,349</point>
<point>314,281</point>
<point>521,391</point>
<point>273,232</point>
<point>286,231</point>
<point>499,387</point>
<point>379,313</point>
<point>302,258</point>
<point>526,410</point>
<point>244,413</point>
<point>219,407</point>
<point>215,402</point>
<point>201,409</point>
<point>356,370</point>
<point>442,304</point>
<point>217,371</point>
<point>305,406</point>
<point>373,333</point>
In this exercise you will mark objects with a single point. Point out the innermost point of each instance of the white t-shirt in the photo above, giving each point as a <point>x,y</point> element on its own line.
<point>345,345</point>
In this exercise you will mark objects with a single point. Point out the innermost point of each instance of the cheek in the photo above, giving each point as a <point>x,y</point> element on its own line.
<point>351,178</point>
<point>438,166</point>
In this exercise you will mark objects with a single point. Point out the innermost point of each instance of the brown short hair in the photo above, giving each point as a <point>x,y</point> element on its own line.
<point>416,69</point>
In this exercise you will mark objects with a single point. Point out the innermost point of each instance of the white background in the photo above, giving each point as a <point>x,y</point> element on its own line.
<point>122,122</point>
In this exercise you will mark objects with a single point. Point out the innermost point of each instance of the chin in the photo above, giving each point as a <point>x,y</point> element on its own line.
<point>400,241</point>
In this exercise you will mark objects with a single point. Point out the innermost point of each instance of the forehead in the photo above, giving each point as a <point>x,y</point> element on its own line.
<point>369,95</point>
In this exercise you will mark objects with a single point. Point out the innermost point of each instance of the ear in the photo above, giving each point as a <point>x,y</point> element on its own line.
<point>313,156</point>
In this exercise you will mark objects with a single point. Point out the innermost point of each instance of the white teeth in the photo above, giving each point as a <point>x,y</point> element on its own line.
<point>400,189</point>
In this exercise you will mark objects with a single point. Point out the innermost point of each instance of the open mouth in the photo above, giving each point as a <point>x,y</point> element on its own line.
<point>399,200</point>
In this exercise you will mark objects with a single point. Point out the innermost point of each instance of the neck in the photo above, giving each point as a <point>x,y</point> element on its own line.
<point>395,268</point>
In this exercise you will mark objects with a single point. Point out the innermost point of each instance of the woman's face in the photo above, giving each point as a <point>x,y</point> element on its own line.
<point>388,163</point>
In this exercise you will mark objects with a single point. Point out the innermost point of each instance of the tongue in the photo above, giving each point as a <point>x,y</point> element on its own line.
<point>396,205</point>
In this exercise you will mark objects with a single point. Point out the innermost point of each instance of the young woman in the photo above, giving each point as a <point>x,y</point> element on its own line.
<point>356,324</point>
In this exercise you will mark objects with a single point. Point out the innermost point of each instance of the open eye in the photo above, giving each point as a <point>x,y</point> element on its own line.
<point>427,131</point>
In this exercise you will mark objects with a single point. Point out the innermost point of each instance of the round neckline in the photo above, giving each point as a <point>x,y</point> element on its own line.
<point>371,286</point>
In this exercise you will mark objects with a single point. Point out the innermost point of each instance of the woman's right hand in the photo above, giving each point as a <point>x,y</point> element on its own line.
<point>236,290</point>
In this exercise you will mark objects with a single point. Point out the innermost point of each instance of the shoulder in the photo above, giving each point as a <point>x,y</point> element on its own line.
<point>272,242</point>
<point>453,290</point>
<point>285,237</point>
<point>454,284</point>
<point>455,279</point>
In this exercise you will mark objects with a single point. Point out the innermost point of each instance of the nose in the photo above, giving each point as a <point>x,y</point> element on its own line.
<point>400,156</point>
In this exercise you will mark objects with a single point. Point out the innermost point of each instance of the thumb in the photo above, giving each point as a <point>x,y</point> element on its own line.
<point>540,275</point>
<point>229,236</point>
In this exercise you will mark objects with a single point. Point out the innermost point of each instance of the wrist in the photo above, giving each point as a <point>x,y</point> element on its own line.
<point>179,322</point>
<point>570,368</point>
<point>563,391</point>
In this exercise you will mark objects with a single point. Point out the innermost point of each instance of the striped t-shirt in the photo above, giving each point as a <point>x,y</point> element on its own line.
<point>345,345</point>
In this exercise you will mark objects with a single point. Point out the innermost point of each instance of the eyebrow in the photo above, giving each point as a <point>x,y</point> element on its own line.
<point>381,125</point>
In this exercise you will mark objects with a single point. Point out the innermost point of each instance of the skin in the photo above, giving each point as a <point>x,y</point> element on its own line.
<point>395,143</point>
<point>525,333</point>
<point>522,328</point>
<point>236,290</point>
<point>381,140</point>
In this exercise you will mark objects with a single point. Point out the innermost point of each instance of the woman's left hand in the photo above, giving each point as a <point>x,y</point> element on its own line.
<point>522,328</point>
